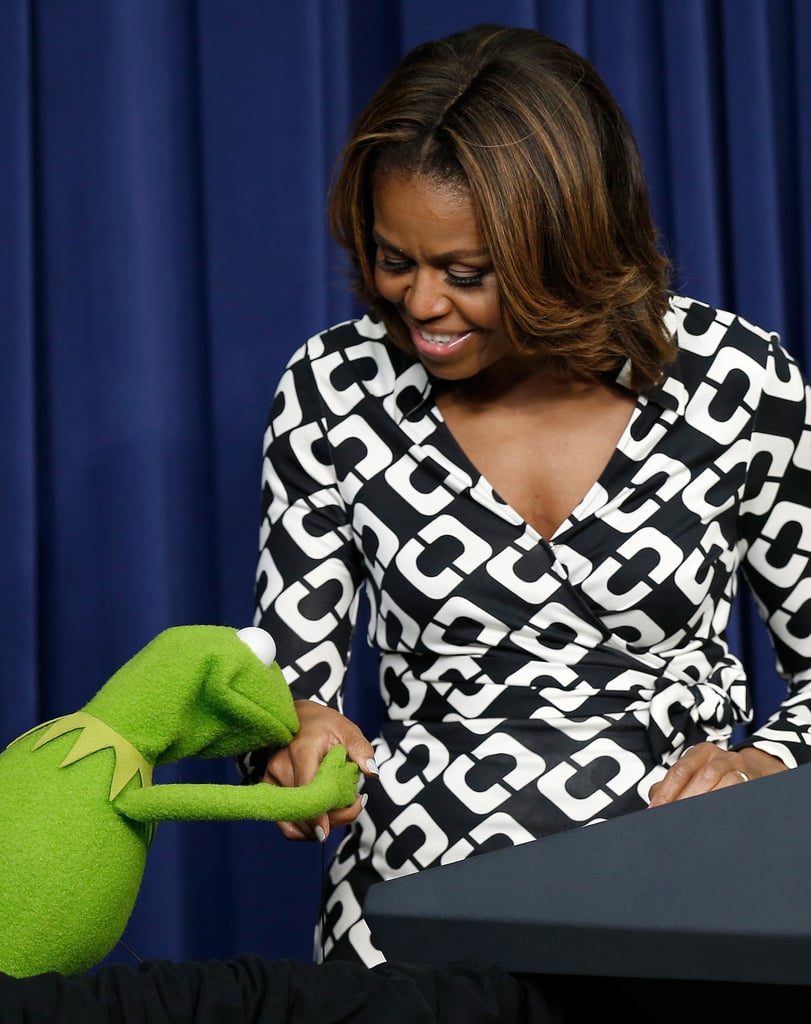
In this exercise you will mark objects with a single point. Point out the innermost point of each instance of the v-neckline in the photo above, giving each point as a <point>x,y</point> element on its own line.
<point>484,491</point>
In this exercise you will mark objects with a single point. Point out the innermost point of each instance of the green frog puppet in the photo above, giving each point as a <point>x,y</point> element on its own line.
<point>78,808</point>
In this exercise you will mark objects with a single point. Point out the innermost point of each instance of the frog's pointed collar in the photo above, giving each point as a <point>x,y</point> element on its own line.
<point>97,735</point>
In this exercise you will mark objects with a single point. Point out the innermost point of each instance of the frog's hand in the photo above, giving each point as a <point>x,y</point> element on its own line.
<point>334,786</point>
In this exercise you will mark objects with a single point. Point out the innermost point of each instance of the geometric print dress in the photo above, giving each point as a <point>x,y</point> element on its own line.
<point>532,686</point>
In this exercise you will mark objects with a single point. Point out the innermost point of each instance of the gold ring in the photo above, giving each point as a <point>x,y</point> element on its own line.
<point>742,775</point>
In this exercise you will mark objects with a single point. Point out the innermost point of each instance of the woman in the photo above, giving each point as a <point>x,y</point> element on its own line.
<point>545,469</point>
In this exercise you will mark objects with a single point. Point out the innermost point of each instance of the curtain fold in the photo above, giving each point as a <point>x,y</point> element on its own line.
<point>124,374</point>
<point>19,557</point>
<point>162,193</point>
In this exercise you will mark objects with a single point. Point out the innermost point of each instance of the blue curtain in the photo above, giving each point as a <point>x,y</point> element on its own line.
<point>162,179</point>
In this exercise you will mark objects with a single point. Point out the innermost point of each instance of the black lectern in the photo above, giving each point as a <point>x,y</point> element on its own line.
<point>716,888</point>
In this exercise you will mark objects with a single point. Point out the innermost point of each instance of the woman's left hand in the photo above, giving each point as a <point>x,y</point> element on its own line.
<point>706,767</point>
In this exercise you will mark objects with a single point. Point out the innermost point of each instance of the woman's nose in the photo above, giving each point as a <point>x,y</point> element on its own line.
<point>426,295</point>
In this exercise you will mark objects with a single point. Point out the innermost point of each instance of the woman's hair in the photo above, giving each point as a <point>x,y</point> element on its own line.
<point>529,130</point>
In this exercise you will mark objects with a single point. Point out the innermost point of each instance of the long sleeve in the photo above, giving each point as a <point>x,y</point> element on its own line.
<point>775,524</point>
<point>309,570</point>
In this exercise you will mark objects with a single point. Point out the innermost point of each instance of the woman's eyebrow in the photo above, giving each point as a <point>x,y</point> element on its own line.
<point>442,257</point>
<point>380,240</point>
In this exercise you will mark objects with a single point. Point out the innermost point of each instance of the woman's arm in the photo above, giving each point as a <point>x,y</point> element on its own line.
<point>308,578</point>
<point>775,531</point>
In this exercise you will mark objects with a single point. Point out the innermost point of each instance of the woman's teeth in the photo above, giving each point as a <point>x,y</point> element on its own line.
<point>439,339</point>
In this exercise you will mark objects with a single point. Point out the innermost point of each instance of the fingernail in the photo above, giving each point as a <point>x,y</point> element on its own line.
<point>364,800</point>
<point>320,834</point>
<point>371,764</point>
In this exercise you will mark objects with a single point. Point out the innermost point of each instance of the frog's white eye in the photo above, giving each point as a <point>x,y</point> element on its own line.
<point>260,642</point>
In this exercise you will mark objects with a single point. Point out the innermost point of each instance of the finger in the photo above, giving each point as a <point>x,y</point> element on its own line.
<point>660,794</point>
<point>361,751</point>
<point>721,769</point>
<point>369,766</point>
<point>279,769</point>
<point>733,777</point>
<point>296,831</point>
<point>345,815</point>
<point>675,785</point>
<point>305,761</point>
<point>323,825</point>
<point>697,771</point>
<point>671,788</point>
<point>706,770</point>
<point>320,827</point>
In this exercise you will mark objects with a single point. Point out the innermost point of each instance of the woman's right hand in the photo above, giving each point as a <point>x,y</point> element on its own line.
<point>296,764</point>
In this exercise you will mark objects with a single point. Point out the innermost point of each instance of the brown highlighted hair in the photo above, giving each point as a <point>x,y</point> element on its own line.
<point>532,134</point>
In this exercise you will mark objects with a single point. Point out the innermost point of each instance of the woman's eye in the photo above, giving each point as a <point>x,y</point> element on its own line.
<point>392,264</point>
<point>469,279</point>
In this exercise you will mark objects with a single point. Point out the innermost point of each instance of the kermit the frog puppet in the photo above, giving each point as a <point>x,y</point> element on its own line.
<point>78,808</point>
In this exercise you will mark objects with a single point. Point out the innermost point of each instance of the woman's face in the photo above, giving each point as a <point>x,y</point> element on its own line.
<point>430,264</point>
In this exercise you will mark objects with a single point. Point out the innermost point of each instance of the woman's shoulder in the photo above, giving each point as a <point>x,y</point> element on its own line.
<point>720,352</point>
<point>353,360</point>
<point>352,337</point>
<point>355,330</point>
<point>704,329</point>
<point>357,338</point>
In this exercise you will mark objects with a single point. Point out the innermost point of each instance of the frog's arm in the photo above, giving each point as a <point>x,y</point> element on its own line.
<point>335,785</point>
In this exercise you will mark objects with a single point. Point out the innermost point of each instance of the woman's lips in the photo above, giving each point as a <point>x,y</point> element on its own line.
<point>435,344</point>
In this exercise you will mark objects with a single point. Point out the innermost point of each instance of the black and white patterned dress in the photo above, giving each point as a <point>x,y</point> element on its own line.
<point>533,686</point>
